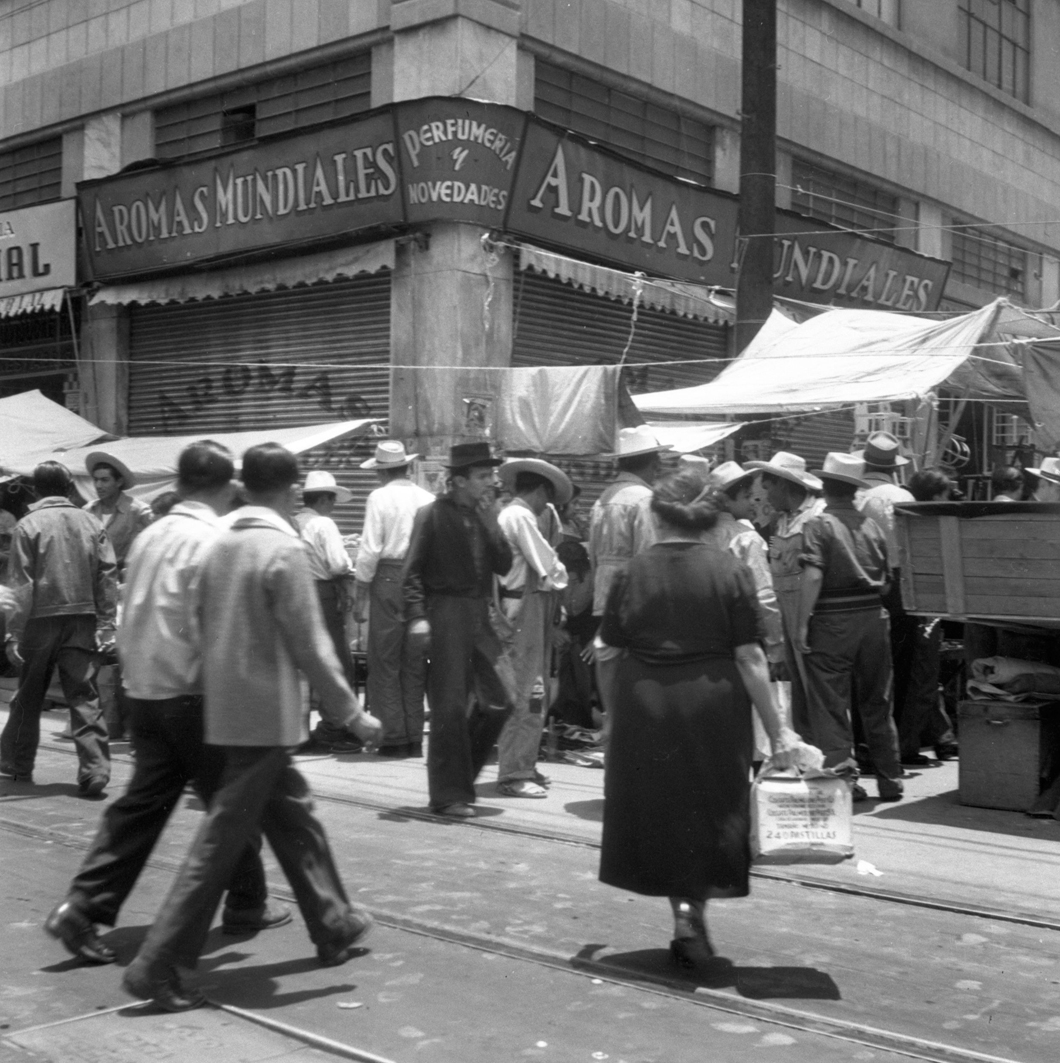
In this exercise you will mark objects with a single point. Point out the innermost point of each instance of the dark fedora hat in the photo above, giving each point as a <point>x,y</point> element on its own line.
<point>467,455</point>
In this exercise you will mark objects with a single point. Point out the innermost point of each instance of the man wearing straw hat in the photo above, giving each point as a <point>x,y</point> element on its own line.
<point>621,526</point>
<point>456,549</point>
<point>527,609</point>
<point>791,491</point>
<point>330,567</point>
<point>843,629</point>
<point>397,668</point>
<point>123,517</point>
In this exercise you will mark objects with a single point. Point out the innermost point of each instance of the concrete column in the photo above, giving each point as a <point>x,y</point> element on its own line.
<point>451,297</point>
<point>104,351</point>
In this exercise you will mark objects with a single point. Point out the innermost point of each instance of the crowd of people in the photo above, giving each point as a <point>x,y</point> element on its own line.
<point>710,618</point>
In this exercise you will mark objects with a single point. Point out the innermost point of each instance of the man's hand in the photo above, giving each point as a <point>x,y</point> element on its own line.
<point>12,653</point>
<point>589,653</point>
<point>778,672</point>
<point>802,638</point>
<point>419,635</point>
<point>367,728</point>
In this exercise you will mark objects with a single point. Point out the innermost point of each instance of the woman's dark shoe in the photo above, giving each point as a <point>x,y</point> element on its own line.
<point>78,934</point>
<point>400,749</point>
<point>160,984</point>
<point>692,954</point>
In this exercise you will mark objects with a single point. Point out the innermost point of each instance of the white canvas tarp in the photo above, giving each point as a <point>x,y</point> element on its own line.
<point>34,429</point>
<point>153,459</point>
<point>843,357</point>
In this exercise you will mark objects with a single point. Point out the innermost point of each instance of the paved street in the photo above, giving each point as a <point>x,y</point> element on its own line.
<point>496,942</point>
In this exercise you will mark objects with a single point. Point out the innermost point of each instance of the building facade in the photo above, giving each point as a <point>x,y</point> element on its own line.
<point>362,234</point>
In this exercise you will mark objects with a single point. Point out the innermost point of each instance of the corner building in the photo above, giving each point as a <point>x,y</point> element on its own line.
<point>300,211</point>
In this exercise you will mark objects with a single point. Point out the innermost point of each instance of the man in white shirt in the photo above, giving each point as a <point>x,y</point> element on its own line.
<point>527,610</point>
<point>397,666</point>
<point>330,566</point>
<point>160,646</point>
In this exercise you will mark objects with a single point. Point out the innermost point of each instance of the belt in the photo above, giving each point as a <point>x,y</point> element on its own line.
<point>505,593</point>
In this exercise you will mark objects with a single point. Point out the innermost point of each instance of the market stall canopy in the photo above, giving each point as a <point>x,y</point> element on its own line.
<point>686,437</point>
<point>153,459</point>
<point>35,429</point>
<point>843,357</point>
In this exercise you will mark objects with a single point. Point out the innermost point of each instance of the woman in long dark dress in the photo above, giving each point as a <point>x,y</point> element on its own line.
<point>677,791</point>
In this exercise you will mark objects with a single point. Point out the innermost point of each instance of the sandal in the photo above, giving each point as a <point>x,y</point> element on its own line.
<point>521,788</point>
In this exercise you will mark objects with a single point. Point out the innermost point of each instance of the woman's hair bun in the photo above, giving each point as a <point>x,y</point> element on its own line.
<point>686,500</point>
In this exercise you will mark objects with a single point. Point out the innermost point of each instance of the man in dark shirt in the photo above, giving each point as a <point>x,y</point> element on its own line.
<point>843,629</point>
<point>456,548</point>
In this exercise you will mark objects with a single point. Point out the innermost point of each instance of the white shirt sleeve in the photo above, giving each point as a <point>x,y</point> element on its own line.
<point>371,547</point>
<point>539,555</point>
<point>323,535</point>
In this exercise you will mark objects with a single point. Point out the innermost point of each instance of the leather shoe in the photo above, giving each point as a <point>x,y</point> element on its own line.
<point>78,934</point>
<point>250,920</point>
<point>416,749</point>
<point>858,793</point>
<point>337,952</point>
<point>400,749</point>
<point>92,787</point>
<point>457,810</point>
<point>947,751</point>
<point>16,776</point>
<point>915,760</point>
<point>161,984</point>
<point>889,789</point>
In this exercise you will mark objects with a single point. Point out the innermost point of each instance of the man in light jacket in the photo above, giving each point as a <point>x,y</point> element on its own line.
<point>261,626</point>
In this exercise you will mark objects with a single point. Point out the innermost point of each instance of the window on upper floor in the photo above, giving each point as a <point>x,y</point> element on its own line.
<point>31,174</point>
<point>887,10</point>
<point>839,199</point>
<point>988,262</point>
<point>996,43</point>
<point>660,137</point>
<point>331,90</point>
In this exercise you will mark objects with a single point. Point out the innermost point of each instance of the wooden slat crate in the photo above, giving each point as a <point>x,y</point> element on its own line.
<point>987,560</point>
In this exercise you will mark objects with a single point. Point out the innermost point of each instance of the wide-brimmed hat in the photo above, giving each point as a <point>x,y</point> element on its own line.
<point>317,481</point>
<point>640,440</point>
<point>694,461</point>
<point>466,455</point>
<point>556,476</point>
<point>729,473</point>
<point>846,468</point>
<point>882,450</point>
<point>389,454</point>
<point>101,457</point>
<point>789,467</point>
<point>1048,470</point>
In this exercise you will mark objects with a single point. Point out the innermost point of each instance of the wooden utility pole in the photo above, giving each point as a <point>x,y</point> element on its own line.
<point>758,128</point>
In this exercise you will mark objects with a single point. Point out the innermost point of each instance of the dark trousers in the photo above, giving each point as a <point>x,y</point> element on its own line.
<point>170,753</point>
<point>329,594</point>
<point>849,663</point>
<point>920,711</point>
<point>905,642</point>
<point>259,789</point>
<point>397,674</point>
<point>66,643</point>
<point>464,660</point>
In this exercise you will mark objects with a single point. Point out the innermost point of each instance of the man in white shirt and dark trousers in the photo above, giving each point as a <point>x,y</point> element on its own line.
<point>527,610</point>
<point>158,640</point>
<point>397,665</point>
<point>330,566</point>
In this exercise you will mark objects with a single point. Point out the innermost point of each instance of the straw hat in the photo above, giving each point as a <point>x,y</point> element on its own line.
<point>556,476</point>
<point>101,457</point>
<point>846,468</point>
<point>789,467</point>
<point>389,454</point>
<point>633,442</point>
<point>1048,470</point>
<point>729,473</point>
<point>694,461</point>
<point>882,450</point>
<point>319,481</point>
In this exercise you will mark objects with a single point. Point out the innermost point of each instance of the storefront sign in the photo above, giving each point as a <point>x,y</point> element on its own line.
<point>458,159</point>
<point>311,186</point>
<point>571,194</point>
<point>37,250</point>
<point>844,269</point>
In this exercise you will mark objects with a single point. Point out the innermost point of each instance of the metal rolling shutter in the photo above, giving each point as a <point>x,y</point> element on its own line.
<point>557,324</point>
<point>305,355</point>
<point>813,437</point>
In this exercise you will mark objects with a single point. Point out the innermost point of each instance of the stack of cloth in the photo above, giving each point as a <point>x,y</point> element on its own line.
<point>1010,679</point>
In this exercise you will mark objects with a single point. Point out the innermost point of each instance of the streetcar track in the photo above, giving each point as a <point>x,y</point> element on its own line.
<point>595,964</point>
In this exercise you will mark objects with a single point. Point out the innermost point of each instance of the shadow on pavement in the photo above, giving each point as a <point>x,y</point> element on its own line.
<point>27,791</point>
<point>591,810</point>
<point>946,810</point>
<point>257,986</point>
<point>755,983</point>
<point>403,812</point>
